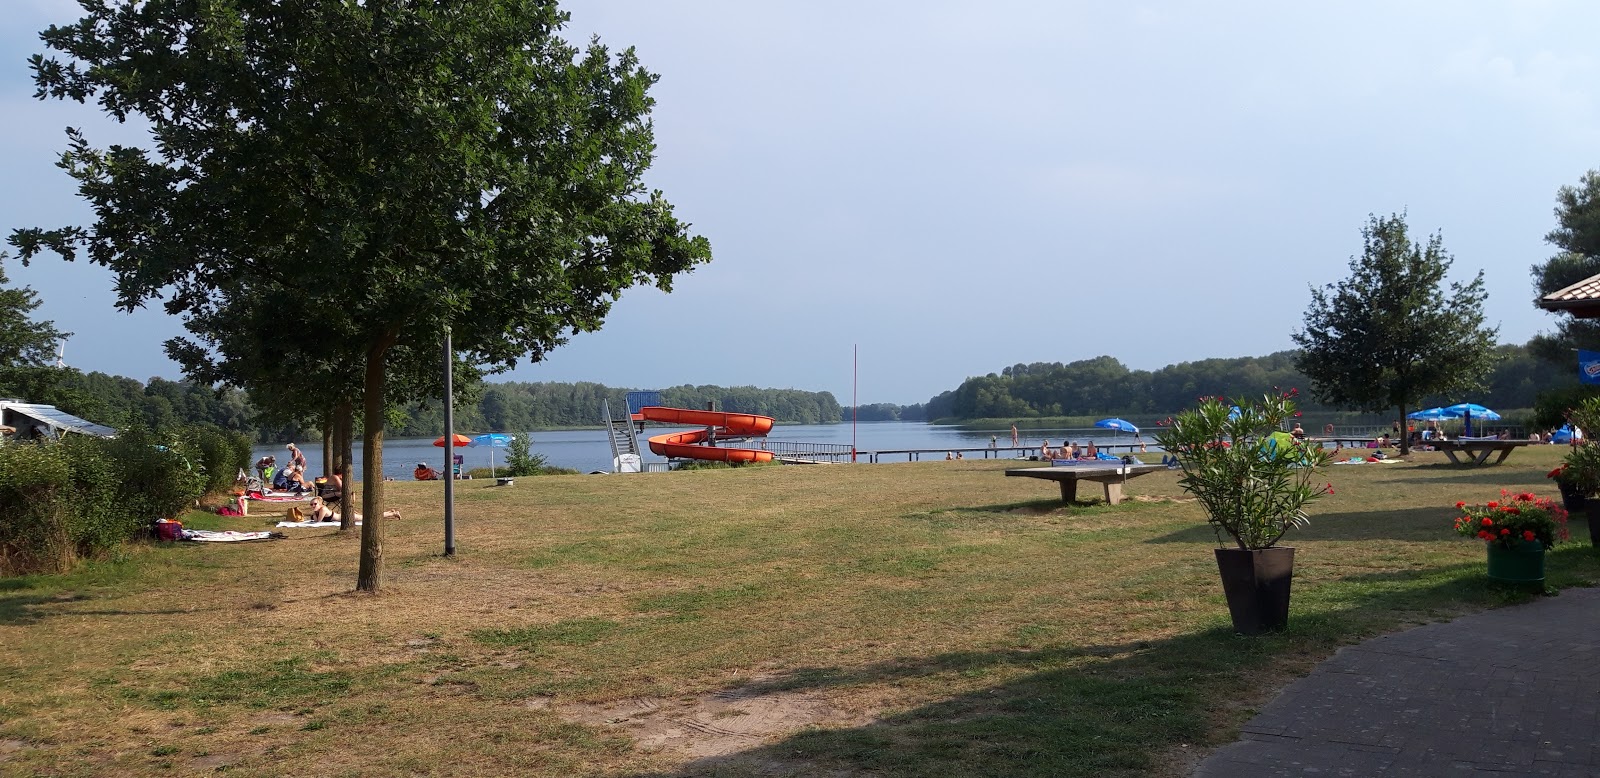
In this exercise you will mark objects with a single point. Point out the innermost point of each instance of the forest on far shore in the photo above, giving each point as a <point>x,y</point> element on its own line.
<point>1101,386</point>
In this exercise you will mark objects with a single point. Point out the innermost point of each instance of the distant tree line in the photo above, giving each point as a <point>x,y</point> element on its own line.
<point>1105,386</point>
<point>512,406</point>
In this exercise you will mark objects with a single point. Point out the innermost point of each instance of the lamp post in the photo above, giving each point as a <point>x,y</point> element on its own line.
<point>449,450</point>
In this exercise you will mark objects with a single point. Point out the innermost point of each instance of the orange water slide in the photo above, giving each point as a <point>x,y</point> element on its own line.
<point>686,445</point>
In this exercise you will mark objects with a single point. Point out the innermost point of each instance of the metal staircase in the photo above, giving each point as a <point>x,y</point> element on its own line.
<point>624,441</point>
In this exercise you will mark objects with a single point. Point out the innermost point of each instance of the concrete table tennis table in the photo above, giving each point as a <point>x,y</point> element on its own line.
<point>1477,451</point>
<point>1111,475</point>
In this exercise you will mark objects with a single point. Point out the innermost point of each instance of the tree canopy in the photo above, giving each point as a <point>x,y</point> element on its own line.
<point>381,170</point>
<point>24,342</point>
<point>1392,332</point>
<point>1577,240</point>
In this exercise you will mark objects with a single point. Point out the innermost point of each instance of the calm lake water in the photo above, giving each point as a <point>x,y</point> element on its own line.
<point>587,450</point>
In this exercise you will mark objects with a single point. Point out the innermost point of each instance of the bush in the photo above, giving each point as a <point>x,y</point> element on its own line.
<point>61,500</point>
<point>222,454</point>
<point>35,487</point>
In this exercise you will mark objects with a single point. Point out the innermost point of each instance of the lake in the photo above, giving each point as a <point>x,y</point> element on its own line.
<point>587,450</point>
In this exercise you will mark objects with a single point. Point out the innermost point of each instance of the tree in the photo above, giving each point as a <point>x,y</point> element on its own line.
<point>1577,236</point>
<point>402,167</point>
<point>23,341</point>
<point>1389,334</point>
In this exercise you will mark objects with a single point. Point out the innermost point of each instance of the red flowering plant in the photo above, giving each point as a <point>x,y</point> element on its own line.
<point>1253,479</point>
<point>1513,519</point>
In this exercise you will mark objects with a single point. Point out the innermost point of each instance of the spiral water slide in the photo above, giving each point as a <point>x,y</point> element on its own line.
<point>687,445</point>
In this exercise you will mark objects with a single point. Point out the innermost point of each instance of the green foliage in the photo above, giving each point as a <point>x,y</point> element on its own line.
<point>1390,335</point>
<point>35,495</point>
<point>1252,479</point>
<point>1577,240</point>
<point>520,458</point>
<point>1516,381</point>
<point>222,455</point>
<point>1553,407</point>
<point>159,472</point>
<point>23,341</point>
<point>83,496</point>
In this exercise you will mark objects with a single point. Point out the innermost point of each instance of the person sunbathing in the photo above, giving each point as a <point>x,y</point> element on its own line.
<point>425,473</point>
<point>1090,452</point>
<point>320,512</point>
<point>1069,451</point>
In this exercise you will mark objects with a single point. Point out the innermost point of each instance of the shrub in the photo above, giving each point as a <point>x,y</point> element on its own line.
<point>159,475</point>
<point>35,493</point>
<point>222,454</point>
<point>60,500</point>
<point>520,459</point>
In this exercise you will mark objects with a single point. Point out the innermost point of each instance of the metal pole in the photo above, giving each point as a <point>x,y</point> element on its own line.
<point>855,404</point>
<point>449,450</point>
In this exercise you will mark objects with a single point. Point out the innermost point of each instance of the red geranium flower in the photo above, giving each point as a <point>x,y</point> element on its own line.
<point>1461,504</point>
<point>1528,535</point>
<point>1505,531</point>
<point>1493,504</point>
<point>1488,522</point>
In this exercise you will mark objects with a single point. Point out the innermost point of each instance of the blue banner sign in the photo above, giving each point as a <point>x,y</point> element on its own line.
<point>1588,367</point>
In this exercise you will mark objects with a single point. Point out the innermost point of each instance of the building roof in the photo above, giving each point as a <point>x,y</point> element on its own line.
<point>1581,299</point>
<point>49,416</point>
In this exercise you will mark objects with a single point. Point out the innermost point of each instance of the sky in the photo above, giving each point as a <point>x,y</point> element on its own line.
<point>953,188</point>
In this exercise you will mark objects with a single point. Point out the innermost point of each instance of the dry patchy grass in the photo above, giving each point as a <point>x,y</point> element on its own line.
<point>894,619</point>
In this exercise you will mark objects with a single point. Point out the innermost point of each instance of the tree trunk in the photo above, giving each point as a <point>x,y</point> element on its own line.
<point>343,462</point>
<point>327,443</point>
<point>370,576</point>
<point>1405,432</point>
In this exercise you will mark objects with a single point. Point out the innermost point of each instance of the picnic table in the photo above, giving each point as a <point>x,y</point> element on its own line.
<point>1111,475</point>
<point>1477,451</point>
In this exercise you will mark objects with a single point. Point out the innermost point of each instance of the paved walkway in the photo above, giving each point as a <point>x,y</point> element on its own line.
<point>1512,691</point>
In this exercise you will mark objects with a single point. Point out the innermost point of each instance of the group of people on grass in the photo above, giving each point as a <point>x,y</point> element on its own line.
<point>292,476</point>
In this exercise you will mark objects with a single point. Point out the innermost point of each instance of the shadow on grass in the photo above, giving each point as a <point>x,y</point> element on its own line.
<point>1463,474</point>
<point>1106,710</point>
<point>1402,524</point>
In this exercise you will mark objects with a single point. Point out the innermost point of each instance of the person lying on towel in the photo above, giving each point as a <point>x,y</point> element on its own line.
<point>425,473</point>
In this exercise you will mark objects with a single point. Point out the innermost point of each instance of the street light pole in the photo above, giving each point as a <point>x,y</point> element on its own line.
<point>449,450</point>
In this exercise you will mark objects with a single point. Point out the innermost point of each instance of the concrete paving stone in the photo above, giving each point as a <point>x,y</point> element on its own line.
<point>1512,691</point>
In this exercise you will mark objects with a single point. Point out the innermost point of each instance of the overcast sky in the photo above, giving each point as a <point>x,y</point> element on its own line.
<point>957,187</point>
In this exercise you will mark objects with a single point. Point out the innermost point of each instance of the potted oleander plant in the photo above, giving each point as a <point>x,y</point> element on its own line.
<point>1254,481</point>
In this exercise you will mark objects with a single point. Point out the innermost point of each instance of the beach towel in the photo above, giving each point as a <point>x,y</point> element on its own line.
<point>212,536</point>
<point>279,497</point>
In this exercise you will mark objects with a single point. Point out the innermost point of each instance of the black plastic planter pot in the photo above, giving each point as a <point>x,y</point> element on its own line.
<point>1592,508</point>
<point>1256,583</point>
<point>1571,498</point>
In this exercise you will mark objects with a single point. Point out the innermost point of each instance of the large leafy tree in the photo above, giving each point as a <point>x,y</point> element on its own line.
<point>1577,240</point>
<point>402,166</point>
<point>1393,332</point>
<point>24,341</point>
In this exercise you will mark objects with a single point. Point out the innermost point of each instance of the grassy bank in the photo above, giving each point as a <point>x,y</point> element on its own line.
<point>898,619</point>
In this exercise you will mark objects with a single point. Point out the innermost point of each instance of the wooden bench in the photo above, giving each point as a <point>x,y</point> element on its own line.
<point>1477,451</point>
<point>1112,476</point>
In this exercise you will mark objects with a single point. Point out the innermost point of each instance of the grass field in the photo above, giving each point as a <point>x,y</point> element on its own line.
<point>895,619</point>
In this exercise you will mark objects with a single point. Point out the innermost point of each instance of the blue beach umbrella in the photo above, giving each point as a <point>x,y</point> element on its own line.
<point>1469,410</point>
<point>492,441</point>
<point>1473,410</point>
<point>1432,414</point>
<point>1121,425</point>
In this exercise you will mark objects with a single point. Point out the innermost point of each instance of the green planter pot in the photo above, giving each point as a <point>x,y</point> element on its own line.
<point>1523,563</point>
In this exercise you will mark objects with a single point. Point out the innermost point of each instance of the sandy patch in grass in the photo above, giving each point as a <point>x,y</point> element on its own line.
<point>717,724</point>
